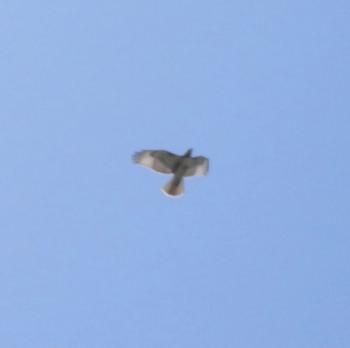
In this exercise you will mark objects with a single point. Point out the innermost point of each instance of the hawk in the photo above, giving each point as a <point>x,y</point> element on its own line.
<point>181,166</point>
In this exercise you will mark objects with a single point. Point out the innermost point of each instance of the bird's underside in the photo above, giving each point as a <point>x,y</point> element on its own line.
<point>168,163</point>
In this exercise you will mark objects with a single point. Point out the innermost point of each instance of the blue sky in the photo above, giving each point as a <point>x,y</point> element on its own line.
<point>256,254</point>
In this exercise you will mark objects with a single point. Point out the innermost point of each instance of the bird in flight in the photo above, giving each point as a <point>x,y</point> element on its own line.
<point>181,166</point>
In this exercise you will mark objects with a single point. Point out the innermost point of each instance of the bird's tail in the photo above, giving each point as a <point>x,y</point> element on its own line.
<point>175,187</point>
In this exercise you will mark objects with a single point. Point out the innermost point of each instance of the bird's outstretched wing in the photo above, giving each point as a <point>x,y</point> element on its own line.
<point>158,160</point>
<point>196,166</point>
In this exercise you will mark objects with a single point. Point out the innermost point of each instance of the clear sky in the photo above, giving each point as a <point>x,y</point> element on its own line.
<point>256,254</point>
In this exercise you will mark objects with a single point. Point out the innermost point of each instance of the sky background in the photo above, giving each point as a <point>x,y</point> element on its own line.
<point>256,254</point>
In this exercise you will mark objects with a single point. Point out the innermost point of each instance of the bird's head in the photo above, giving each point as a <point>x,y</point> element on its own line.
<point>188,153</point>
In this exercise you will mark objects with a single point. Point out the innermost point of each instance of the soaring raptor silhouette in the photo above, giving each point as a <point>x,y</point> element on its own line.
<point>166,162</point>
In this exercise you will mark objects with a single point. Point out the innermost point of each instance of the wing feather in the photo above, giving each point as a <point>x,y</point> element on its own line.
<point>158,160</point>
<point>197,166</point>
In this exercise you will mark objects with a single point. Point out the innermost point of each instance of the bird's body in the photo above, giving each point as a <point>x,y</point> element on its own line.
<point>181,166</point>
